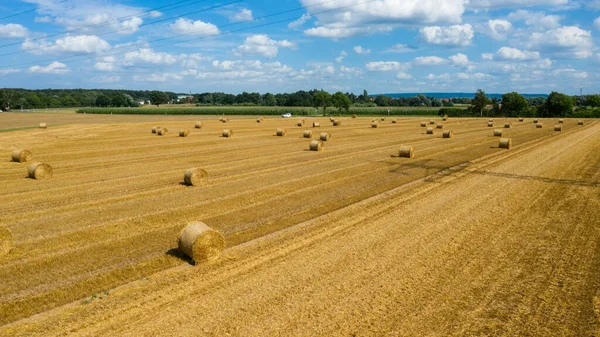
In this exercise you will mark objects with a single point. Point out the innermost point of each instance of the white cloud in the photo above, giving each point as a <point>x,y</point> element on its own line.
<point>538,20</point>
<point>459,60</point>
<point>340,58</point>
<point>597,23</point>
<point>9,71</point>
<point>564,42</point>
<point>569,72</point>
<point>155,14</point>
<point>262,45</point>
<point>403,76</point>
<point>13,30</point>
<point>487,56</point>
<point>147,55</point>
<point>345,18</point>
<point>301,21</point>
<point>453,36</point>
<point>384,66</point>
<point>350,70</point>
<point>498,29</point>
<point>497,4</point>
<point>243,15</point>
<point>507,53</point>
<point>105,66</point>
<point>198,28</point>
<point>106,79</point>
<point>361,51</point>
<point>400,48</point>
<point>77,44</point>
<point>429,61</point>
<point>42,19</point>
<point>52,68</point>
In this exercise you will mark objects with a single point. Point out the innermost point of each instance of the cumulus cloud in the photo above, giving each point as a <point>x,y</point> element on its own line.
<point>361,51</point>
<point>497,29</point>
<point>564,42</point>
<point>400,48</point>
<point>403,76</point>
<point>9,71</point>
<point>105,66</point>
<point>301,21</point>
<point>429,61</point>
<point>340,58</point>
<point>243,15</point>
<point>570,72</point>
<point>147,55</point>
<point>13,31</point>
<point>157,77</point>
<point>597,23</point>
<point>460,60</point>
<point>78,44</point>
<point>52,68</point>
<point>262,45</point>
<point>453,36</point>
<point>343,18</point>
<point>538,20</point>
<point>384,66</point>
<point>507,53</point>
<point>497,4</point>
<point>198,28</point>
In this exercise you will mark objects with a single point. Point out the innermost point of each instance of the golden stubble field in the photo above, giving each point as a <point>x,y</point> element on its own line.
<point>463,239</point>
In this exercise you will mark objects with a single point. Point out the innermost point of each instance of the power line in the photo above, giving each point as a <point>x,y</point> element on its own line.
<point>124,29</point>
<point>107,22</point>
<point>22,66</point>
<point>31,10</point>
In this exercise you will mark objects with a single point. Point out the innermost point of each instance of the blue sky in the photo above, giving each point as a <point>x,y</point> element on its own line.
<point>388,46</point>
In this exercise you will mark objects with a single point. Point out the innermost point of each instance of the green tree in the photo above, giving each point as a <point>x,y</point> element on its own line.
<point>514,105</point>
<point>103,101</point>
<point>158,97</point>
<point>341,101</point>
<point>558,105</point>
<point>593,100</point>
<point>479,103</point>
<point>382,100</point>
<point>322,99</point>
<point>118,100</point>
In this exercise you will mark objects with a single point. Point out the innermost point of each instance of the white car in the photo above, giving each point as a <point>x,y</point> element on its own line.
<point>287,115</point>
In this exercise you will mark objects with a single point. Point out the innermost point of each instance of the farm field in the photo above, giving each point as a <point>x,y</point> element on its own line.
<point>463,239</point>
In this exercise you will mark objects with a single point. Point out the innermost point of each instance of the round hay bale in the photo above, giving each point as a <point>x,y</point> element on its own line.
<point>307,134</point>
<point>448,134</point>
<point>258,120</point>
<point>375,124</point>
<point>507,125</point>
<point>423,124</point>
<point>198,125</point>
<point>383,119</point>
<point>444,118</point>
<point>21,156</point>
<point>325,136</point>
<point>521,119</point>
<point>200,242</point>
<point>440,126</point>
<point>227,133</point>
<point>394,121</point>
<point>498,133</point>
<point>300,124</point>
<point>431,122</point>
<point>220,119</point>
<point>430,131</point>
<point>43,125</point>
<point>558,128</point>
<point>281,132</point>
<point>316,145</point>
<point>490,124</point>
<point>163,131</point>
<point>225,120</point>
<point>6,242</point>
<point>490,120</point>
<point>337,123</point>
<point>183,133</point>
<point>579,122</point>
<point>353,116</point>
<point>505,143</point>
<point>539,125</point>
<point>406,151</point>
<point>195,177</point>
<point>40,171</point>
<point>155,129</point>
<point>331,119</point>
<point>560,121</point>
<point>316,125</point>
<point>535,121</point>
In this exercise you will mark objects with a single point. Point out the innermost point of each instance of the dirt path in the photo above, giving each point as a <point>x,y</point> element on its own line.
<point>507,244</point>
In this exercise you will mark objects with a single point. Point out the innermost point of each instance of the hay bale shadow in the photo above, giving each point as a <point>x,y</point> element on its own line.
<point>176,253</point>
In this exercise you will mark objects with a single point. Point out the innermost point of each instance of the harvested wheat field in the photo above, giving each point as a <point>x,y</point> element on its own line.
<point>463,239</point>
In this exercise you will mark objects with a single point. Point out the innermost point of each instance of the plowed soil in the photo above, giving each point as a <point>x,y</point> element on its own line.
<point>464,239</point>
